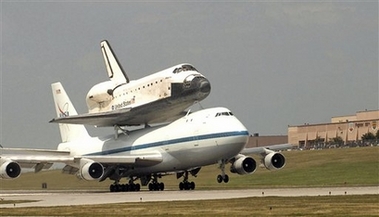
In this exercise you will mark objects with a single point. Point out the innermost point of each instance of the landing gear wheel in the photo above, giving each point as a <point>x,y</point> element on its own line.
<point>124,187</point>
<point>161,186</point>
<point>187,186</point>
<point>154,185</point>
<point>181,186</point>
<point>222,177</point>
<point>226,178</point>
<point>192,186</point>
<point>219,178</point>
<point>151,187</point>
<point>131,187</point>
<point>137,187</point>
<point>158,186</point>
<point>112,188</point>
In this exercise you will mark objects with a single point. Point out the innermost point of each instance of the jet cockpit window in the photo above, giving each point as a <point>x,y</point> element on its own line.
<point>184,68</point>
<point>224,114</point>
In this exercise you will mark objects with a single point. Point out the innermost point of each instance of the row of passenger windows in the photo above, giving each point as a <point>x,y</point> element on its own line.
<point>143,87</point>
<point>224,114</point>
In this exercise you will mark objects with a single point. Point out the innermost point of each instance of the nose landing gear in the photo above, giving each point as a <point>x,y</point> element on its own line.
<point>223,177</point>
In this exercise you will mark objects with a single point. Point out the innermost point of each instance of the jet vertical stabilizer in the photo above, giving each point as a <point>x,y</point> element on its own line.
<point>64,108</point>
<point>115,71</point>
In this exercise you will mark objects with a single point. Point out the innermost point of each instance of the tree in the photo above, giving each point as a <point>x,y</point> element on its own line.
<point>377,134</point>
<point>368,136</point>
<point>337,140</point>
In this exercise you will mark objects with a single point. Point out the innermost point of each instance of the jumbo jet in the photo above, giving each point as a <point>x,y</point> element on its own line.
<point>159,97</point>
<point>209,136</point>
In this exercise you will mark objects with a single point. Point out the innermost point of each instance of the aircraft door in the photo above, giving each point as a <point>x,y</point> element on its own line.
<point>196,138</point>
<point>166,147</point>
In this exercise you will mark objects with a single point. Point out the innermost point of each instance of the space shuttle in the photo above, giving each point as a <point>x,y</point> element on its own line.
<point>160,97</point>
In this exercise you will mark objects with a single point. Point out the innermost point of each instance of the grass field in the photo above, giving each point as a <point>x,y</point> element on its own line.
<point>258,206</point>
<point>332,167</point>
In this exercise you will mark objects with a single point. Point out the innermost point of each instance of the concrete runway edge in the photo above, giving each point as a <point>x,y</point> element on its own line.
<point>70,198</point>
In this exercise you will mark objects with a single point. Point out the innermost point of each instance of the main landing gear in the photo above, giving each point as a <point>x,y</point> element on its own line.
<point>124,187</point>
<point>154,185</point>
<point>223,177</point>
<point>186,185</point>
<point>116,187</point>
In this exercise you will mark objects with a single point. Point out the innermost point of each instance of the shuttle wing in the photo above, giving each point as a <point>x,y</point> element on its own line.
<point>146,113</point>
<point>116,117</point>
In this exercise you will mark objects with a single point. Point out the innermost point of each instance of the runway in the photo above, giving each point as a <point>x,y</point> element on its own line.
<point>70,198</point>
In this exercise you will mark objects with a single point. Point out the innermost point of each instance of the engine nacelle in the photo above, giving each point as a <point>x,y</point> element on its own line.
<point>91,171</point>
<point>274,161</point>
<point>244,165</point>
<point>101,92</point>
<point>10,170</point>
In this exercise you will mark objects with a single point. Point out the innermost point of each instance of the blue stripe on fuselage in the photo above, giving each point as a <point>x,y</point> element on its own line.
<point>171,142</point>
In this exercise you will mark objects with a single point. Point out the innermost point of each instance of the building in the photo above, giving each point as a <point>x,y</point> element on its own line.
<point>258,141</point>
<point>345,128</point>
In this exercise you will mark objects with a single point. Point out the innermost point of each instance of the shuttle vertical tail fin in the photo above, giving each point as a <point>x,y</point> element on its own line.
<point>115,71</point>
<point>64,107</point>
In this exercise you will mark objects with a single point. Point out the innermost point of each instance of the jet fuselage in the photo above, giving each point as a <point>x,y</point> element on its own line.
<point>198,139</point>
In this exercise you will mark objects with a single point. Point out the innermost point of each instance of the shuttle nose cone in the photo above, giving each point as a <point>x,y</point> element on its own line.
<point>205,86</point>
<point>201,88</point>
<point>193,88</point>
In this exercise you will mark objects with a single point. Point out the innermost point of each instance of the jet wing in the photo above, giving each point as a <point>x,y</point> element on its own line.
<point>43,159</point>
<point>37,159</point>
<point>260,150</point>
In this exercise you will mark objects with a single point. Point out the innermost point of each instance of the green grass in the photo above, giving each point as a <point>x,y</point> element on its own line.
<point>331,167</point>
<point>367,205</point>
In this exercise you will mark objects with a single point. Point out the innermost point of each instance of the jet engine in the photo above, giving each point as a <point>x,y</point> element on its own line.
<point>274,161</point>
<point>91,171</point>
<point>10,170</point>
<point>243,165</point>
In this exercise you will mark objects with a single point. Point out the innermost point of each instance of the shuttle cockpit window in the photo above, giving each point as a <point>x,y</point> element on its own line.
<point>184,68</point>
<point>224,114</point>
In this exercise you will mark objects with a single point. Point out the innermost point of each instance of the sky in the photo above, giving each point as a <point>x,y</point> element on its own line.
<point>273,64</point>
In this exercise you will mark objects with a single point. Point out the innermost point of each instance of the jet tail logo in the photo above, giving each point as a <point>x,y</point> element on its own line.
<point>63,112</point>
